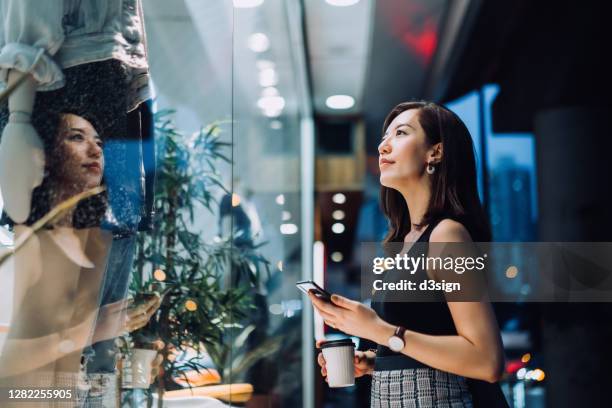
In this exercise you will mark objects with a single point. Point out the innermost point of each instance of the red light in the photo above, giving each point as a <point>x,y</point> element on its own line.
<point>513,366</point>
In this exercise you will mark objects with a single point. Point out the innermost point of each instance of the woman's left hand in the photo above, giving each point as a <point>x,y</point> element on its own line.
<point>349,316</point>
<point>156,364</point>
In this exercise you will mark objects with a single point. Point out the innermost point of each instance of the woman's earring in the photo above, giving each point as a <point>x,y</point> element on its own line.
<point>430,168</point>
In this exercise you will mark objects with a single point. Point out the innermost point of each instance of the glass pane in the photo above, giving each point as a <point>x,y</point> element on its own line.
<point>266,208</point>
<point>512,180</point>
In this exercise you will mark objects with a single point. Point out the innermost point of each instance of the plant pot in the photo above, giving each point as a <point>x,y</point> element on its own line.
<point>137,373</point>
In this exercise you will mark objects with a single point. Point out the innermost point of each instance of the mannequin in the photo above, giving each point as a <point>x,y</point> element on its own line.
<point>21,151</point>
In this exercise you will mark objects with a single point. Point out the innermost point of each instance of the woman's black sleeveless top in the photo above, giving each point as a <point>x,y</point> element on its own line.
<point>431,316</point>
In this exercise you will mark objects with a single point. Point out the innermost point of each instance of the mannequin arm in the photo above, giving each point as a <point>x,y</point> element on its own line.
<point>31,32</point>
<point>22,157</point>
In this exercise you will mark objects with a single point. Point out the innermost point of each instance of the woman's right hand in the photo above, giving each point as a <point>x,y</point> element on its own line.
<point>363,362</point>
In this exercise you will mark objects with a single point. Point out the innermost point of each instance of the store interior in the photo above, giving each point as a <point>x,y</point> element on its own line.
<point>297,92</point>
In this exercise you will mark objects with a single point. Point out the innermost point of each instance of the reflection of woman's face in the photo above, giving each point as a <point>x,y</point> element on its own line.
<point>403,150</point>
<point>79,161</point>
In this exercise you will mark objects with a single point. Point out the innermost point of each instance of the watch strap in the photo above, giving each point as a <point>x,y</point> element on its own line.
<point>399,332</point>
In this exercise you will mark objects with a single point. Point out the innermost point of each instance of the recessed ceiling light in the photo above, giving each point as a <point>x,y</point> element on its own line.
<point>272,113</point>
<point>342,3</point>
<point>288,229</point>
<point>271,103</point>
<point>340,102</point>
<point>269,91</point>
<point>338,215</point>
<point>337,256</point>
<point>338,228</point>
<point>276,124</point>
<point>268,77</point>
<point>271,106</point>
<point>247,3</point>
<point>264,64</point>
<point>339,198</point>
<point>259,42</point>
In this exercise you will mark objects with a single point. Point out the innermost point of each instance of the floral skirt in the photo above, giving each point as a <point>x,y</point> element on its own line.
<point>419,388</point>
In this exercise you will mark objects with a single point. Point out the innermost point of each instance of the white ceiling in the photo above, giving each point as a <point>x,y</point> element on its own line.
<point>199,53</point>
<point>338,50</point>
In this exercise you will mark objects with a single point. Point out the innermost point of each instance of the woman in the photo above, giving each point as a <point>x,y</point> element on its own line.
<point>428,194</point>
<point>60,270</point>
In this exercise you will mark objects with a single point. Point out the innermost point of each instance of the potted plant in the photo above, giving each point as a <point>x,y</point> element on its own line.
<point>199,307</point>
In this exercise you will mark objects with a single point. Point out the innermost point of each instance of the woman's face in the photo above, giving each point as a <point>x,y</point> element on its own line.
<point>403,151</point>
<point>78,154</point>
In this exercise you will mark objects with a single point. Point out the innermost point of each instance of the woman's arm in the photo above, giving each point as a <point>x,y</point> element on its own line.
<point>475,352</point>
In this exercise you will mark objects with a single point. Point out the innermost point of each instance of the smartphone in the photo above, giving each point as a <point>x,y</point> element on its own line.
<point>146,296</point>
<point>310,286</point>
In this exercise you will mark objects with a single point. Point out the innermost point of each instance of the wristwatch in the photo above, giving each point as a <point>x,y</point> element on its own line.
<point>396,342</point>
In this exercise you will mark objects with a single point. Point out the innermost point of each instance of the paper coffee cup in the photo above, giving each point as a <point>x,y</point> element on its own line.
<point>339,357</point>
<point>137,370</point>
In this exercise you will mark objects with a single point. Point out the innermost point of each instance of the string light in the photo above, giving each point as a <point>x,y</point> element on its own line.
<point>159,275</point>
<point>191,306</point>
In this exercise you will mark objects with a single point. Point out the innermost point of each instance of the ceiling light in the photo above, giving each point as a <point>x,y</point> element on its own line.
<point>280,199</point>
<point>271,103</point>
<point>342,3</point>
<point>337,256</point>
<point>264,64</point>
<point>338,215</point>
<point>339,198</point>
<point>276,124</point>
<point>268,77</point>
<point>288,229</point>
<point>247,3</point>
<point>269,91</point>
<point>272,113</point>
<point>338,228</point>
<point>259,42</point>
<point>340,102</point>
<point>286,215</point>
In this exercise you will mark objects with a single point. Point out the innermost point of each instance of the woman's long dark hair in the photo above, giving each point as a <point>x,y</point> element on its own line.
<point>454,192</point>
<point>46,119</point>
<point>88,212</point>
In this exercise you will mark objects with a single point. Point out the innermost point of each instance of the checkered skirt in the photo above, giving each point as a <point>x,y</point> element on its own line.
<point>419,388</point>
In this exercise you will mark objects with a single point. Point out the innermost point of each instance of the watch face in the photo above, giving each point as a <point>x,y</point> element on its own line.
<point>395,343</point>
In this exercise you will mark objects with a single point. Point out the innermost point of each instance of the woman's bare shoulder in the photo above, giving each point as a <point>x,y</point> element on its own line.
<point>449,230</point>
